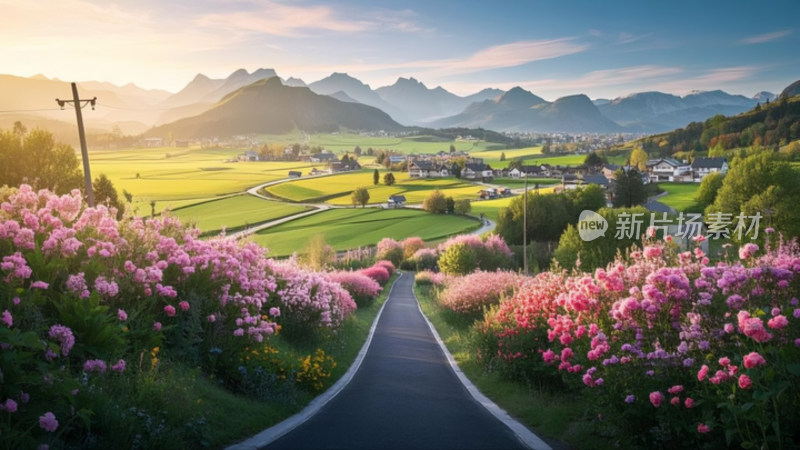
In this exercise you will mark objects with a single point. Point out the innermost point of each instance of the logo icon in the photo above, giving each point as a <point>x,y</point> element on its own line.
<point>591,225</point>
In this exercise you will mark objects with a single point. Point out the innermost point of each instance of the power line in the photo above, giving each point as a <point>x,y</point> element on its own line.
<point>13,111</point>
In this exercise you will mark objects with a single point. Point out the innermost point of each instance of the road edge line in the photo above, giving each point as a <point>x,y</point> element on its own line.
<point>280,429</point>
<point>521,431</point>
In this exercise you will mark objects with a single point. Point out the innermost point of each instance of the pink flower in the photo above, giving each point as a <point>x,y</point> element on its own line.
<point>656,398</point>
<point>48,422</point>
<point>40,285</point>
<point>778,322</point>
<point>702,373</point>
<point>689,402</point>
<point>652,251</point>
<point>703,428</point>
<point>64,336</point>
<point>156,326</point>
<point>747,250</point>
<point>122,315</point>
<point>184,305</point>
<point>753,359</point>
<point>674,390</point>
<point>724,361</point>
<point>275,312</point>
<point>211,318</point>
<point>10,406</point>
<point>8,319</point>
<point>728,328</point>
<point>745,382</point>
<point>94,365</point>
<point>170,310</point>
<point>119,366</point>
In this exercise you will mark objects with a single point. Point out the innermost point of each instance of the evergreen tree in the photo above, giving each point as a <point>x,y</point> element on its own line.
<point>629,188</point>
<point>376,177</point>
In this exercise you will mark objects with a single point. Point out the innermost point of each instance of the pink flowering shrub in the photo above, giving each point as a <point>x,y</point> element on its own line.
<point>470,294</point>
<point>386,264</point>
<point>309,301</point>
<point>377,273</point>
<point>83,291</point>
<point>696,354</point>
<point>363,289</point>
<point>426,259</point>
<point>389,249</point>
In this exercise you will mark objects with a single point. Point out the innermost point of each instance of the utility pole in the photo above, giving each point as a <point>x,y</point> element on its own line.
<point>525,227</point>
<point>87,176</point>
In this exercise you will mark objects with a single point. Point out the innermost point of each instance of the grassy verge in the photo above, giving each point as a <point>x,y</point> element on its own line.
<point>559,417</point>
<point>169,403</point>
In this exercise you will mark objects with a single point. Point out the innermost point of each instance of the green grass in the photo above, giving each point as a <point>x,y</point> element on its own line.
<point>186,176</point>
<point>336,189</point>
<point>234,213</point>
<point>352,228</point>
<point>681,196</point>
<point>519,183</point>
<point>348,141</point>
<point>569,160</point>
<point>554,415</point>
<point>177,406</point>
<point>490,208</point>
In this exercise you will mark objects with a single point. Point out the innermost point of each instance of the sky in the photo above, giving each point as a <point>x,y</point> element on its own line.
<point>552,48</point>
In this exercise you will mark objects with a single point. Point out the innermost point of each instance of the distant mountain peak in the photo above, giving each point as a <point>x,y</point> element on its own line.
<point>519,97</point>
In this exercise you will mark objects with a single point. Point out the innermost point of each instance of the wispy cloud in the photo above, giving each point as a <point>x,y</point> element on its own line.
<point>713,79</point>
<point>768,37</point>
<point>595,81</point>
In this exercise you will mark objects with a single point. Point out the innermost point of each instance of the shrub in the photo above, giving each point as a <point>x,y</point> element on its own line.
<point>464,253</point>
<point>363,289</point>
<point>389,249</point>
<point>377,273</point>
<point>472,293</point>
<point>387,265</point>
<point>411,245</point>
<point>693,354</point>
<point>459,259</point>
<point>426,258</point>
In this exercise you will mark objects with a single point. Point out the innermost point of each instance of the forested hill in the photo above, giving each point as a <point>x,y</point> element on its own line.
<point>768,125</point>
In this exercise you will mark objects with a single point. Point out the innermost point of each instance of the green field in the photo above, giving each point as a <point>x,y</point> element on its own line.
<point>570,160</point>
<point>490,208</point>
<point>681,196</point>
<point>348,141</point>
<point>519,183</point>
<point>336,189</point>
<point>234,213</point>
<point>185,176</point>
<point>351,228</point>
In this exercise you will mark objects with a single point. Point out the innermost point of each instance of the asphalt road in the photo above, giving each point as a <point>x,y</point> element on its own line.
<point>404,396</point>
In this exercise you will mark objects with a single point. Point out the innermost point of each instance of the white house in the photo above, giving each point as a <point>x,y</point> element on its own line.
<point>420,169</point>
<point>473,171</point>
<point>669,169</point>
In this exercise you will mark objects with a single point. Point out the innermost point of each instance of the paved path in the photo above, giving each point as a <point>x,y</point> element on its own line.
<point>405,395</point>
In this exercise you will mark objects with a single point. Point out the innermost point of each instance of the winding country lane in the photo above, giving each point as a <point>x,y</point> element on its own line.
<point>404,395</point>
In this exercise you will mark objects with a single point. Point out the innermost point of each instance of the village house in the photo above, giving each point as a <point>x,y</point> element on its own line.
<point>704,166</point>
<point>323,157</point>
<point>668,169</point>
<point>295,174</point>
<point>396,201</point>
<point>475,171</point>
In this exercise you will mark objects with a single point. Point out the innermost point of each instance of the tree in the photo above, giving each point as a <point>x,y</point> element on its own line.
<point>388,179</point>
<point>37,159</point>
<point>456,170</point>
<point>106,194</point>
<point>19,129</point>
<point>357,150</point>
<point>435,203</point>
<point>345,158</point>
<point>709,187</point>
<point>639,158</point>
<point>628,188</point>
<point>450,205</point>
<point>463,207</point>
<point>602,250</point>
<point>452,148</point>
<point>502,156</point>
<point>360,196</point>
<point>376,177</point>
<point>763,184</point>
<point>593,160</point>
<point>128,196</point>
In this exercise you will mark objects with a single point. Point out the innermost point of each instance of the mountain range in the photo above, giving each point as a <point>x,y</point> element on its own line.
<point>407,102</point>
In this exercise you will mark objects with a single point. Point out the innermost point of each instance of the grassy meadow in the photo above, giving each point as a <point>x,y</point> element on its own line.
<point>359,227</point>
<point>348,141</point>
<point>176,177</point>
<point>680,196</point>
<point>233,213</point>
<point>336,189</point>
